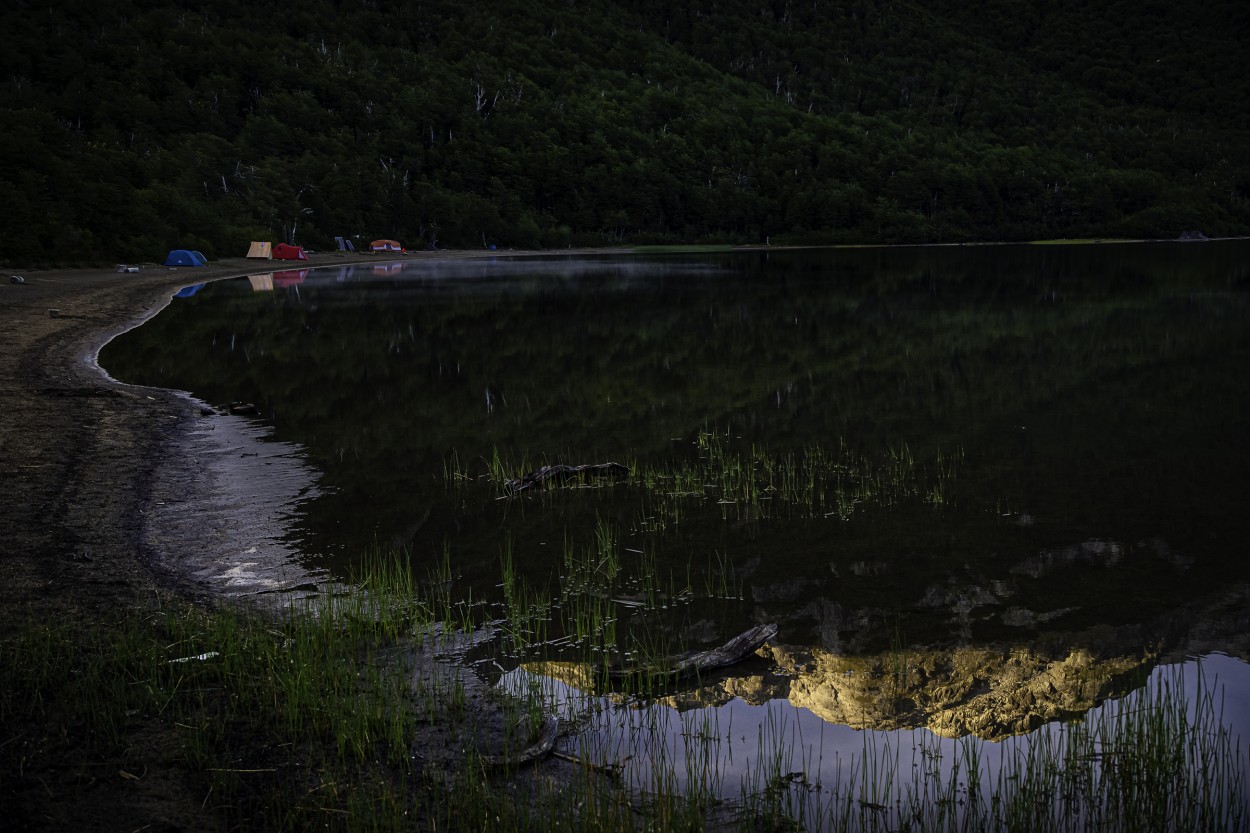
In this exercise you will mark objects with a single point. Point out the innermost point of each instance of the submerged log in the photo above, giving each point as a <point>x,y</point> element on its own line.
<point>672,669</point>
<point>560,474</point>
<point>696,662</point>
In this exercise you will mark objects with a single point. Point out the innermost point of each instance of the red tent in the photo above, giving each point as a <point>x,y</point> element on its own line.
<point>383,246</point>
<point>282,251</point>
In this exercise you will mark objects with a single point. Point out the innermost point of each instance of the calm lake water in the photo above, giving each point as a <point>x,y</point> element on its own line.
<point>979,489</point>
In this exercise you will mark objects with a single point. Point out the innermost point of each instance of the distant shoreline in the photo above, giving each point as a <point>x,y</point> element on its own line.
<point>240,266</point>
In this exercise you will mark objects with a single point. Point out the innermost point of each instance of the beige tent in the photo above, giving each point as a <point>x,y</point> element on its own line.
<point>262,251</point>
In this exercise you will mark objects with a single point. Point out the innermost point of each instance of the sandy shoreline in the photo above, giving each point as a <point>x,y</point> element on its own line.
<point>89,457</point>
<point>116,497</point>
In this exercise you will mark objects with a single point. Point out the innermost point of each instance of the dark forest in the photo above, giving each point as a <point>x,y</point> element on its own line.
<point>136,126</point>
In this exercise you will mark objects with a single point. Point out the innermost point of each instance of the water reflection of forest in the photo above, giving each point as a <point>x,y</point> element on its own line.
<point>1094,398</point>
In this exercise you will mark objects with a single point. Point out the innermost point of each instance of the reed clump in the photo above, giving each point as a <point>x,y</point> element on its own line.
<point>755,482</point>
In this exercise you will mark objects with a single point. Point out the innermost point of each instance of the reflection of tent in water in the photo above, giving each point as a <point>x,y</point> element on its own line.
<point>261,283</point>
<point>263,251</point>
<point>185,257</point>
<point>388,268</point>
<point>188,291</point>
<point>284,252</point>
<point>289,277</point>
<point>385,246</point>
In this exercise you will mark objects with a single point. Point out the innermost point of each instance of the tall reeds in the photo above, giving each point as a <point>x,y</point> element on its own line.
<point>311,719</point>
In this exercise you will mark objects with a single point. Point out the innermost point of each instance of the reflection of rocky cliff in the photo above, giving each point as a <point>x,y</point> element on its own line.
<point>998,690</point>
<point>999,653</point>
<point>991,691</point>
<point>994,689</point>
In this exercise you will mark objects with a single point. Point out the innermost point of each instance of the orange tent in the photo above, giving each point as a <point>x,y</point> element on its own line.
<point>385,246</point>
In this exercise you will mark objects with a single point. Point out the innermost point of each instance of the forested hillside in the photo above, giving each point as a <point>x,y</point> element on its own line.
<point>134,126</point>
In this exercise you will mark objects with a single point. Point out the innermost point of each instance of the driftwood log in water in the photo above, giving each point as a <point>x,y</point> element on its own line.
<point>697,662</point>
<point>537,750</point>
<point>561,474</point>
<point>671,669</point>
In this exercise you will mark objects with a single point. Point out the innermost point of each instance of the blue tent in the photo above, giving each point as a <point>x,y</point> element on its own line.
<point>188,291</point>
<point>183,257</point>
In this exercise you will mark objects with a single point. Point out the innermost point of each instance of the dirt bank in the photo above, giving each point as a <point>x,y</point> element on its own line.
<point>77,449</point>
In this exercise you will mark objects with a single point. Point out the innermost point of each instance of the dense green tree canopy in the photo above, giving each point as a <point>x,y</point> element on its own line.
<point>136,126</point>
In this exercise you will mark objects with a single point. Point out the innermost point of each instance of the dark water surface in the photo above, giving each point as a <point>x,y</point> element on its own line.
<point>1025,468</point>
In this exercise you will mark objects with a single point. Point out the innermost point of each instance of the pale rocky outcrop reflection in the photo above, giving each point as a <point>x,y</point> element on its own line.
<point>986,692</point>
<point>992,690</point>
<point>990,693</point>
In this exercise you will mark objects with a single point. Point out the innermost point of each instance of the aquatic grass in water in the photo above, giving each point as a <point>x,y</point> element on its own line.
<point>1152,761</point>
<point>328,685</point>
<point>527,611</point>
<point>758,483</point>
<point>1156,760</point>
<point>599,591</point>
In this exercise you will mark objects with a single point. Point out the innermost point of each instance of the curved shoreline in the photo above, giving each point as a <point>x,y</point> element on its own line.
<point>98,478</point>
<point>84,452</point>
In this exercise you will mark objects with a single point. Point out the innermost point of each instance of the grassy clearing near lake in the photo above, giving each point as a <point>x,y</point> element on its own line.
<point>340,715</point>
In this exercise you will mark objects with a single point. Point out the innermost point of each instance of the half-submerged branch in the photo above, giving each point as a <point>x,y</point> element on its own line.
<point>689,664</point>
<point>672,669</point>
<point>562,474</point>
